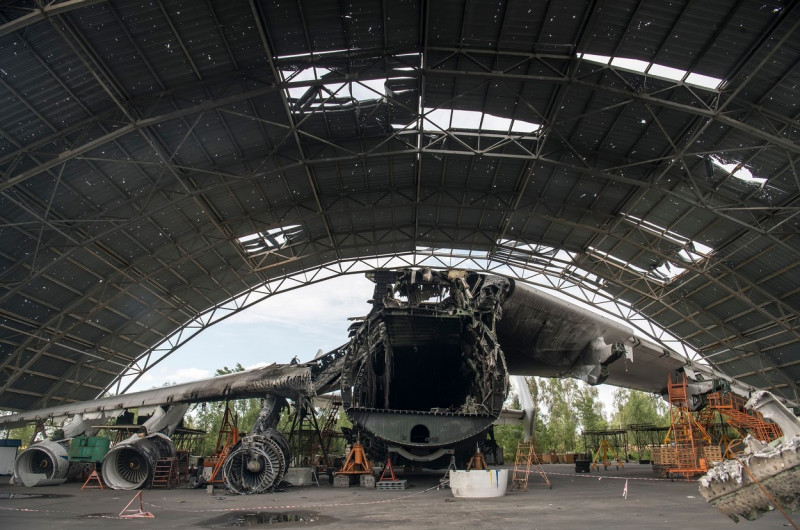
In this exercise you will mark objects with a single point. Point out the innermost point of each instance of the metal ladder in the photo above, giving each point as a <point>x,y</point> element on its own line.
<point>165,473</point>
<point>525,460</point>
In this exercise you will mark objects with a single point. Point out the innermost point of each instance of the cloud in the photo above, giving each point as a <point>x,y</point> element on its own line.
<point>165,375</point>
<point>184,375</point>
<point>324,305</point>
<point>294,323</point>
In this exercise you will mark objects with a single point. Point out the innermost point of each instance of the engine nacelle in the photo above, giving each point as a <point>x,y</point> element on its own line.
<point>130,464</point>
<point>257,463</point>
<point>42,464</point>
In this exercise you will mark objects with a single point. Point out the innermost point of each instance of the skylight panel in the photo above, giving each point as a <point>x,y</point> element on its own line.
<point>495,123</point>
<point>366,90</point>
<point>655,70</point>
<point>524,127</point>
<point>600,59</point>
<point>306,74</point>
<point>631,64</point>
<point>739,171</point>
<point>436,120</point>
<point>666,271</point>
<point>271,239</point>
<point>689,252</point>
<point>369,89</point>
<point>673,74</point>
<point>705,81</point>
<point>466,119</point>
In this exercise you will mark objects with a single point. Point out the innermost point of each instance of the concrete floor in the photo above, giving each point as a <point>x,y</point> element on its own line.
<point>575,501</point>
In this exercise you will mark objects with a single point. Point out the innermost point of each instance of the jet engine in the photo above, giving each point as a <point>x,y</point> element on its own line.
<point>257,463</point>
<point>129,465</point>
<point>43,464</point>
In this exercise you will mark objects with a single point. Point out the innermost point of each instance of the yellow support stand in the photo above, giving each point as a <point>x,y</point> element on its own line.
<point>604,450</point>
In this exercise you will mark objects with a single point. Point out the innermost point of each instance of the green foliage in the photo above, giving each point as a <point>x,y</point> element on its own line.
<point>633,406</point>
<point>564,408</point>
<point>557,399</point>
<point>23,433</point>
<point>208,416</point>
<point>589,409</point>
<point>507,437</point>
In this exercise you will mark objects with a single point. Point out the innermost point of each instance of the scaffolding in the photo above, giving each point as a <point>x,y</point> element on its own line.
<point>228,437</point>
<point>646,436</point>
<point>312,433</point>
<point>685,435</point>
<point>615,441</point>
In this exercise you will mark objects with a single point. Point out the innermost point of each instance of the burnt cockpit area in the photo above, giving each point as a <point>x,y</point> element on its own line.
<point>427,349</point>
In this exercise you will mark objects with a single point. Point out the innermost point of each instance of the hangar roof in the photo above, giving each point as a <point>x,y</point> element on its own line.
<point>165,163</point>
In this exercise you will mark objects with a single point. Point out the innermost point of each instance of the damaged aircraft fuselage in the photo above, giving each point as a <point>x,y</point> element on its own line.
<point>426,372</point>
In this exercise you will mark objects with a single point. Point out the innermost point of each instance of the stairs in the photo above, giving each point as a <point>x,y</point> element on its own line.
<point>321,446</point>
<point>732,407</point>
<point>687,434</point>
<point>165,474</point>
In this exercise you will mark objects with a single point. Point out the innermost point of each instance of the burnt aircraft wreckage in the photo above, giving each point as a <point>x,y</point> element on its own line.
<point>423,376</point>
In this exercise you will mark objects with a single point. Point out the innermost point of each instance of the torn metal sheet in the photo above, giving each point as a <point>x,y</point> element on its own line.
<point>728,487</point>
<point>740,487</point>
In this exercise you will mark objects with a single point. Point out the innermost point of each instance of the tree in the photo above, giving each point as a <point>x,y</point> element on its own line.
<point>589,410</point>
<point>634,406</point>
<point>23,433</point>
<point>209,416</point>
<point>558,397</point>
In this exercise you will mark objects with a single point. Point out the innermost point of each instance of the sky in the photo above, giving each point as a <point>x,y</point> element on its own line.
<point>295,323</point>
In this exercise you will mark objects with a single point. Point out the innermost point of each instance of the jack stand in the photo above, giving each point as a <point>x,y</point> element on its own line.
<point>357,462</point>
<point>388,467</point>
<point>93,477</point>
<point>477,461</point>
<point>133,513</point>
<point>445,480</point>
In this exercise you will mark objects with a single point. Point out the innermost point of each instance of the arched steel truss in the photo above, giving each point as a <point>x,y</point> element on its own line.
<point>127,201</point>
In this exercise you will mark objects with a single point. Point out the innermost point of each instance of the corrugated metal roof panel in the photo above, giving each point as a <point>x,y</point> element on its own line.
<point>135,162</point>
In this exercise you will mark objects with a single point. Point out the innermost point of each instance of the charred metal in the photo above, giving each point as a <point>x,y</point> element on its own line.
<point>424,368</point>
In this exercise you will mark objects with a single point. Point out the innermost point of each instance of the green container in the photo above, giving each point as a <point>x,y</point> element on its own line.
<point>88,449</point>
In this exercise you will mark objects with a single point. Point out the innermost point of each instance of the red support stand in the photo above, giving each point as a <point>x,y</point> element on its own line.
<point>133,513</point>
<point>93,476</point>
<point>388,467</point>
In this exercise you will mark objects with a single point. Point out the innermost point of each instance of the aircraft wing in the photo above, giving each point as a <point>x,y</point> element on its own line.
<point>547,336</point>
<point>540,334</point>
<point>286,380</point>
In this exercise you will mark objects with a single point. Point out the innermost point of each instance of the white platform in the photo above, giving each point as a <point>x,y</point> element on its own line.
<point>300,476</point>
<point>478,484</point>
